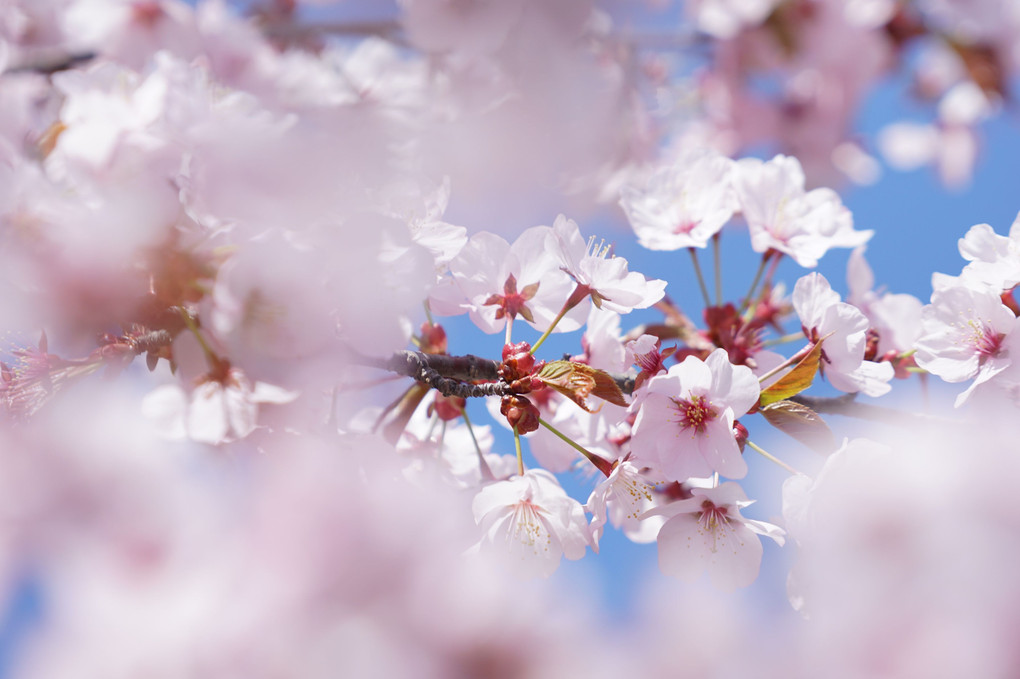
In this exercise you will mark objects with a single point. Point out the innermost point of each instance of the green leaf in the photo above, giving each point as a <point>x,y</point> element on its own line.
<point>801,423</point>
<point>577,381</point>
<point>795,381</point>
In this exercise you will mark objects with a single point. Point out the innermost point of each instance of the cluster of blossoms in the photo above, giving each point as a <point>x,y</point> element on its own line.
<point>664,447</point>
<point>278,212</point>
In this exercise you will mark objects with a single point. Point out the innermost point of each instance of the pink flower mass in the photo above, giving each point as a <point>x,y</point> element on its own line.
<point>336,333</point>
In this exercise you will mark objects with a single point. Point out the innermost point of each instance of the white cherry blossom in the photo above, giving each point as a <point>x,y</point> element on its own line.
<point>622,499</point>
<point>781,215</point>
<point>843,330</point>
<point>218,410</point>
<point>611,285</point>
<point>895,317</point>
<point>683,204</point>
<point>993,260</point>
<point>684,424</point>
<point>964,335</point>
<point>492,280</point>
<point>707,532</point>
<point>533,520</point>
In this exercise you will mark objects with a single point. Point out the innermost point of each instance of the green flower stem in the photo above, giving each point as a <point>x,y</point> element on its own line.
<point>520,457</point>
<point>718,269</point>
<point>567,306</point>
<point>754,284</point>
<point>601,464</point>
<point>482,464</point>
<point>792,337</point>
<point>210,355</point>
<point>701,279</point>
<point>773,458</point>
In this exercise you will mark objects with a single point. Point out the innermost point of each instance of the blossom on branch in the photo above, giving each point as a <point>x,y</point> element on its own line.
<point>683,204</point>
<point>684,423</point>
<point>222,408</point>
<point>495,281</point>
<point>783,216</point>
<point>533,520</point>
<point>707,532</point>
<point>966,333</point>
<point>842,329</point>
<point>605,277</point>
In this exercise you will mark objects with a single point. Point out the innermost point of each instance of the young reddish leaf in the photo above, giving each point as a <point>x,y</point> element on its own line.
<point>577,381</point>
<point>795,381</point>
<point>801,423</point>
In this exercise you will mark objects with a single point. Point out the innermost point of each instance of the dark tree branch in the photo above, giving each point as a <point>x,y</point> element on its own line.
<point>454,376</point>
<point>449,375</point>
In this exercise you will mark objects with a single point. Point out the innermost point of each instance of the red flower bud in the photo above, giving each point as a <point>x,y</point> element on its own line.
<point>447,407</point>
<point>518,366</point>
<point>433,338</point>
<point>520,413</point>
<point>740,433</point>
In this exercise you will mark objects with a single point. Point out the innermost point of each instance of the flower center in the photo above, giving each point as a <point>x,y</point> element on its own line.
<point>601,250</point>
<point>686,226</point>
<point>513,303</point>
<point>694,413</point>
<point>711,518</point>
<point>986,342</point>
<point>528,528</point>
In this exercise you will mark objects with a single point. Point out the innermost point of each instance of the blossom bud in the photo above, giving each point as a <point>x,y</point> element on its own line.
<point>433,338</point>
<point>525,385</point>
<point>448,407</point>
<point>740,433</point>
<point>517,367</point>
<point>520,413</point>
<point>871,348</point>
<point>518,357</point>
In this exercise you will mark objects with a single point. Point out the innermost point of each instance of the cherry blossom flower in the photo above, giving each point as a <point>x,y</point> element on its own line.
<point>843,330</point>
<point>683,204</point>
<point>622,499</point>
<point>220,409</point>
<point>684,423</point>
<point>781,215</point>
<point>646,353</point>
<point>707,532</point>
<point>723,19</point>
<point>964,335</point>
<point>896,318</point>
<point>493,280</point>
<point>604,277</point>
<point>993,260</point>
<point>533,519</point>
